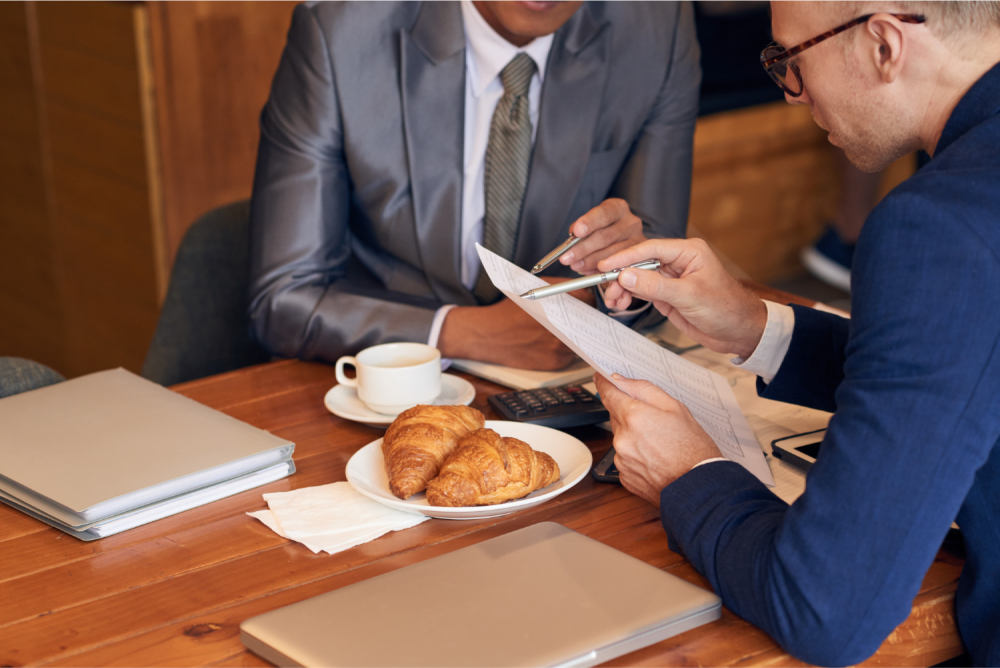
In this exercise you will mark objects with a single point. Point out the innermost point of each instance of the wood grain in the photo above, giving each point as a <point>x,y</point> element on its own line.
<point>76,247</point>
<point>29,288</point>
<point>213,63</point>
<point>764,181</point>
<point>175,591</point>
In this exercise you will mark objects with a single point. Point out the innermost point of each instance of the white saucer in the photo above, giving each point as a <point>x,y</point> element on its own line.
<point>343,401</point>
<point>366,473</point>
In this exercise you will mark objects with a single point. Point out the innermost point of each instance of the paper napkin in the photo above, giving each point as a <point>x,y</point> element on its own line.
<point>331,518</point>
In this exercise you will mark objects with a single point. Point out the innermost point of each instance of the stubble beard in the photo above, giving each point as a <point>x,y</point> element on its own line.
<point>873,134</point>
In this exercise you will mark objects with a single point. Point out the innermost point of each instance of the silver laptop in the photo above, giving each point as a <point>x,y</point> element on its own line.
<point>541,596</point>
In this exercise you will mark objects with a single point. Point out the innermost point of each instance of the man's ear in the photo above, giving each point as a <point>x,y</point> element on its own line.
<point>887,45</point>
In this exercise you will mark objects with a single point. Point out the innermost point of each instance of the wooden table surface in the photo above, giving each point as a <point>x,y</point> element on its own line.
<point>175,591</point>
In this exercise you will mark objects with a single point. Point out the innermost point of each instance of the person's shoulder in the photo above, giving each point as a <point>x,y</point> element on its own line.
<point>976,150</point>
<point>954,198</point>
<point>644,14</point>
<point>366,18</point>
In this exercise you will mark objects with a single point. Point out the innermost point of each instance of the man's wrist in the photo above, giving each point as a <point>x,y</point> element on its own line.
<point>757,325</point>
<point>766,358</point>
<point>456,335</point>
<point>437,324</point>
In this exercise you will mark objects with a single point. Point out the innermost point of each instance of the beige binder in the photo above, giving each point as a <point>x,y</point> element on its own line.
<point>541,596</point>
<point>107,444</point>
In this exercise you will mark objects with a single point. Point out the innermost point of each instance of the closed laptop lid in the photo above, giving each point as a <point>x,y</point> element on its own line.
<point>543,595</point>
<point>108,442</point>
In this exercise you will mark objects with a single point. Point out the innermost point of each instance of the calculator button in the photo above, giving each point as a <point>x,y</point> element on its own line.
<point>540,408</point>
<point>569,401</point>
<point>587,400</point>
<point>520,412</point>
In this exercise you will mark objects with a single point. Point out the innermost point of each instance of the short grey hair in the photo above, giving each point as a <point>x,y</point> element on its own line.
<point>945,19</point>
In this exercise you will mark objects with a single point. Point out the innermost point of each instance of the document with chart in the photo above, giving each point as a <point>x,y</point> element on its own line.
<point>611,347</point>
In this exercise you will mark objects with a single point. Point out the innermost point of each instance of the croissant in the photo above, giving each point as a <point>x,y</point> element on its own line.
<point>487,469</point>
<point>419,440</point>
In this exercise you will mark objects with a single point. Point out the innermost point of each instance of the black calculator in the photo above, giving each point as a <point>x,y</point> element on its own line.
<point>558,407</point>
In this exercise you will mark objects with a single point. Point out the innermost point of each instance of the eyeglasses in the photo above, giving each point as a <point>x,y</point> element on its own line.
<point>785,72</point>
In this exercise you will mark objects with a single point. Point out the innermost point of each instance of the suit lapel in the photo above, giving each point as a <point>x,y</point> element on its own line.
<point>432,73</point>
<point>569,109</point>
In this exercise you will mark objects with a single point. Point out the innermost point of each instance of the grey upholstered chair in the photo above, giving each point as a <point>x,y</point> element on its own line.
<point>203,326</point>
<point>20,375</point>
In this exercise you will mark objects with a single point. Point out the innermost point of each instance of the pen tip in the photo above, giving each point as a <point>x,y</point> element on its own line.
<point>537,268</point>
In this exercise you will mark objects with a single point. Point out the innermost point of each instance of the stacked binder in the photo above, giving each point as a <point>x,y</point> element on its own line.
<point>110,451</point>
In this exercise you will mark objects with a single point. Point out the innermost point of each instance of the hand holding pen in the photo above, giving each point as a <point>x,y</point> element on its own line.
<point>599,233</point>
<point>586,281</point>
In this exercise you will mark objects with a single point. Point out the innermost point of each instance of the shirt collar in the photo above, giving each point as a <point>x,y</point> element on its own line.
<point>979,103</point>
<point>489,53</point>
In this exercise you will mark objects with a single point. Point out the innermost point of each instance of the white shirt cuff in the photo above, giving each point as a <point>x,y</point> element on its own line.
<point>437,324</point>
<point>709,461</point>
<point>770,353</point>
<point>615,313</point>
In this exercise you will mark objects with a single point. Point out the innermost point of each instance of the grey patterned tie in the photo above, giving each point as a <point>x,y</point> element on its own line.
<point>508,155</point>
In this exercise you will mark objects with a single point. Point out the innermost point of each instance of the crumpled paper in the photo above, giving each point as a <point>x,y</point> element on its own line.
<point>331,518</point>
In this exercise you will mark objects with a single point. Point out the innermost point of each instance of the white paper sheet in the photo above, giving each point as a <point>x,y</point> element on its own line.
<point>611,347</point>
<point>768,419</point>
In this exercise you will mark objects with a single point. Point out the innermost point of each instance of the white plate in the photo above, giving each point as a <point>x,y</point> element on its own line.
<point>343,401</point>
<point>366,473</point>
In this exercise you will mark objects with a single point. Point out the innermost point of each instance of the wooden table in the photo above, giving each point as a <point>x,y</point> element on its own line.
<point>175,591</point>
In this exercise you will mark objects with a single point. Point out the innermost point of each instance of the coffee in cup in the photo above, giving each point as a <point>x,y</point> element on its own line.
<point>394,376</point>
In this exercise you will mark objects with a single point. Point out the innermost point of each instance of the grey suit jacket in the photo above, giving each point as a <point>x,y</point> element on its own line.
<point>357,200</point>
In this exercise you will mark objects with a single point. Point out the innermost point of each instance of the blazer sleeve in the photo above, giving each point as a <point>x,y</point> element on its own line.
<point>656,178</point>
<point>813,367</point>
<point>918,415</point>
<point>301,301</point>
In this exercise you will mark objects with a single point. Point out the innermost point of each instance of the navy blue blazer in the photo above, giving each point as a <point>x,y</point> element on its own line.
<point>914,380</point>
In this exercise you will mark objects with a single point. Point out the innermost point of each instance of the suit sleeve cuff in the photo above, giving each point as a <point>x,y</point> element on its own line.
<point>770,353</point>
<point>709,461</point>
<point>437,324</point>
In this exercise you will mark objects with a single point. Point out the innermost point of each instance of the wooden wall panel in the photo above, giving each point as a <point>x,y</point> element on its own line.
<point>102,29</point>
<point>764,180</point>
<point>94,117</point>
<point>12,19</point>
<point>82,135</point>
<point>84,80</point>
<point>31,324</point>
<point>214,62</point>
<point>765,183</point>
<point>99,200</point>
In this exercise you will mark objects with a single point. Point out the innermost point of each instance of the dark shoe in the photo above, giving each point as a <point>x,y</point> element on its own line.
<point>829,260</point>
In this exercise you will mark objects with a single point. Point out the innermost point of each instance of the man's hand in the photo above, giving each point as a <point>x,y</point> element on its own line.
<point>606,229</point>
<point>503,333</point>
<point>693,290</point>
<point>656,438</point>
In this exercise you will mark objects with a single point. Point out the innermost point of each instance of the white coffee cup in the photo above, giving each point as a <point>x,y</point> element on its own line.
<point>394,376</point>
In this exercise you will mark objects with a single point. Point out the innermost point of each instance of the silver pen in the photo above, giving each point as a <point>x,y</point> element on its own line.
<point>554,255</point>
<point>586,281</point>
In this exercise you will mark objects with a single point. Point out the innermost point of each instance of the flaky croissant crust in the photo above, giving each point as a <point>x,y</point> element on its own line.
<point>418,441</point>
<point>487,469</point>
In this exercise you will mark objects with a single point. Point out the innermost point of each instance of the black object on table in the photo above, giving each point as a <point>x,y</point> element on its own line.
<point>558,407</point>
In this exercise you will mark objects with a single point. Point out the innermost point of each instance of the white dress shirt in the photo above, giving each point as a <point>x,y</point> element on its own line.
<point>486,54</point>
<point>770,352</point>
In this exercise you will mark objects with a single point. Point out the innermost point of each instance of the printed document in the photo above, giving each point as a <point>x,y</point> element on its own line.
<point>611,347</point>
